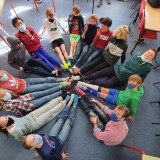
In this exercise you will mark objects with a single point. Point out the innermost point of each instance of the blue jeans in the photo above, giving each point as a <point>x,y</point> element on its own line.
<point>37,66</point>
<point>39,84</point>
<point>92,54</point>
<point>82,49</point>
<point>46,57</point>
<point>41,97</point>
<point>64,123</point>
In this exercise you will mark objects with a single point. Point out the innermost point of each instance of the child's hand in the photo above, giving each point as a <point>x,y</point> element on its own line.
<point>65,156</point>
<point>66,32</point>
<point>93,120</point>
<point>36,155</point>
<point>83,36</point>
<point>27,32</point>
<point>21,68</point>
<point>98,33</point>
<point>86,28</point>
<point>93,100</point>
<point>131,118</point>
<point>143,85</point>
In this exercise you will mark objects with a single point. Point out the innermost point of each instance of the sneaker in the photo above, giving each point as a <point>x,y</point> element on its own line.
<point>76,78</point>
<point>125,0</point>
<point>99,3</point>
<point>79,91</point>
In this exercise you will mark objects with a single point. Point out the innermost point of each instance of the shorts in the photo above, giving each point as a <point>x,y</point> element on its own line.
<point>57,43</point>
<point>112,96</point>
<point>74,37</point>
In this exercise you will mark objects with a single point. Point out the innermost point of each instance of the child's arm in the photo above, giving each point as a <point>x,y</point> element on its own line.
<point>101,106</point>
<point>33,36</point>
<point>123,57</point>
<point>43,31</point>
<point>96,38</point>
<point>133,109</point>
<point>12,63</point>
<point>85,31</point>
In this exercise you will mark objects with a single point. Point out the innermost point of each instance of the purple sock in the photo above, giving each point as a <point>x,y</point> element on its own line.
<point>93,92</point>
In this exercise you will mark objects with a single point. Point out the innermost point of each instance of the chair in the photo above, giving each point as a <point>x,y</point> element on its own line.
<point>144,156</point>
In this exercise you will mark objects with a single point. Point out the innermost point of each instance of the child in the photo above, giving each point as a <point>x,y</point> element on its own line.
<point>10,101</point>
<point>50,146</point>
<point>20,127</point>
<point>19,59</point>
<point>116,128</point>
<point>87,37</point>
<point>32,43</point>
<point>53,26</point>
<point>76,26</point>
<point>19,86</point>
<point>130,97</point>
<point>100,41</point>
<point>115,50</point>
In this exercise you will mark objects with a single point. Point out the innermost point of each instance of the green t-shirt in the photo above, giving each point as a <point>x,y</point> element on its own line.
<point>130,98</point>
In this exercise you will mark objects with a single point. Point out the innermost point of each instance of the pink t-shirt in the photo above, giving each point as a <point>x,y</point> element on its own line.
<point>114,133</point>
<point>13,84</point>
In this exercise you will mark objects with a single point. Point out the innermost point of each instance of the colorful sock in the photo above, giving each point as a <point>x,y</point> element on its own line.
<point>65,64</point>
<point>95,87</point>
<point>75,100</point>
<point>81,86</point>
<point>68,62</point>
<point>67,98</point>
<point>93,92</point>
<point>75,78</point>
<point>71,100</point>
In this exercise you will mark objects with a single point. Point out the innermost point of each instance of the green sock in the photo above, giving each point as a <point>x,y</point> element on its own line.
<point>65,64</point>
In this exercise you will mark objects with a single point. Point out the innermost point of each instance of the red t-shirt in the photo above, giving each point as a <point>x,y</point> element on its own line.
<point>75,27</point>
<point>30,45</point>
<point>102,41</point>
<point>13,84</point>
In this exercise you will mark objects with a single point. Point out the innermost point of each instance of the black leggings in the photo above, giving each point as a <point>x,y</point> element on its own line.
<point>112,82</point>
<point>89,107</point>
<point>98,64</point>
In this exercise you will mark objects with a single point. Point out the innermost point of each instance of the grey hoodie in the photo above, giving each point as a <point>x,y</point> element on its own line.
<point>17,57</point>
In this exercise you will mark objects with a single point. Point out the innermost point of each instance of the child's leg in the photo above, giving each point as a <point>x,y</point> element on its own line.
<point>111,97</point>
<point>74,47</point>
<point>44,59</point>
<point>39,102</point>
<point>71,48</point>
<point>63,49</point>
<point>49,57</point>
<point>59,122</point>
<point>95,87</point>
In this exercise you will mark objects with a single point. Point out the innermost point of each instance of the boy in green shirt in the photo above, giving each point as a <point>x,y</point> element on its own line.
<point>130,97</point>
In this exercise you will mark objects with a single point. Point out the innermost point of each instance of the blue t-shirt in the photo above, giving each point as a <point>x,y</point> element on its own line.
<point>51,148</point>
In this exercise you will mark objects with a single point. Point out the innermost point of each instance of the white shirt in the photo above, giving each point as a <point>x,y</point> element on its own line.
<point>53,29</point>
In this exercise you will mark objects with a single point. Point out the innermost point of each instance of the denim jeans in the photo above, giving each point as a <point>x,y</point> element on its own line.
<point>41,97</point>
<point>92,54</point>
<point>39,84</point>
<point>82,49</point>
<point>37,66</point>
<point>64,123</point>
<point>46,57</point>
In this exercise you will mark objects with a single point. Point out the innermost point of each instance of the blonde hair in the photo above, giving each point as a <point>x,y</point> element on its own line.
<point>93,16</point>
<point>137,78</point>
<point>76,8</point>
<point>121,32</point>
<point>49,12</point>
